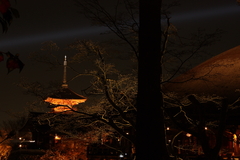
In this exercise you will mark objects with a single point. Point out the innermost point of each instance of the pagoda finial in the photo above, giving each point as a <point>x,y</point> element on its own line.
<point>64,84</point>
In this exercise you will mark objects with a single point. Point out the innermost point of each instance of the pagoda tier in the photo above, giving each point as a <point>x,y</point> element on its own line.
<point>65,98</point>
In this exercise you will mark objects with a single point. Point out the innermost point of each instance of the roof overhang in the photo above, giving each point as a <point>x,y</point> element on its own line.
<point>67,102</point>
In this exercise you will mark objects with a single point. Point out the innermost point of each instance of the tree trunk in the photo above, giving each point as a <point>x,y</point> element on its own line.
<point>151,142</point>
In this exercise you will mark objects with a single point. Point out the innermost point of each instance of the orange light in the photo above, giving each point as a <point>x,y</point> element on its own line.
<point>61,109</point>
<point>188,135</point>
<point>234,137</point>
<point>68,102</point>
<point>57,137</point>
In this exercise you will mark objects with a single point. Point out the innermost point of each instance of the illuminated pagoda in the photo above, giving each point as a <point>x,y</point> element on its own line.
<point>64,99</point>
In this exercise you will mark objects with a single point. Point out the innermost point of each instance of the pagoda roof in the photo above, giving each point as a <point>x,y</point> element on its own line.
<point>66,93</point>
<point>66,96</point>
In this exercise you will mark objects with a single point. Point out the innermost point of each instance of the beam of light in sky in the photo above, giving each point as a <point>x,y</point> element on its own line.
<point>90,31</point>
<point>207,13</point>
<point>39,38</point>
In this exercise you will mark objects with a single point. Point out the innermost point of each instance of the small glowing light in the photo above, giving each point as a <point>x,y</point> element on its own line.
<point>121,155</point>
<point>188,135</point>
<point>20,145</point>
<point>168,128</point>
<point>57,137</point>
<point>32,141</point>
<point>20,138</point>
<point>205,128</point>
<point>127,133</point>
<point>234,137</point>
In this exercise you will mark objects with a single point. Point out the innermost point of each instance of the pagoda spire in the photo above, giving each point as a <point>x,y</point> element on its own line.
<point>65,98</point>
<point>64,84</point>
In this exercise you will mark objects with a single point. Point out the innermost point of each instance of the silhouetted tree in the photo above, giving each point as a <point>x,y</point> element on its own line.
<point>198,117</point>
<point>148,41</point>
<point>151,141</point>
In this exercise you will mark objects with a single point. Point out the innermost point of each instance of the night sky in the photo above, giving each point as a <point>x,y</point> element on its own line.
<point>60,22</point>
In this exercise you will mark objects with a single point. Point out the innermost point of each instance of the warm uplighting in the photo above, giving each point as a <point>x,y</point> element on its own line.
<point>57,137</point>
<point>234,137</point>
<point>69,102</point>
<point>61,109</point>
<point>188,135</point>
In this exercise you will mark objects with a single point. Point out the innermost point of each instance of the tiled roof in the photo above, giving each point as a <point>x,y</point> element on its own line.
<point>66,93</point>
<point>220,75</point>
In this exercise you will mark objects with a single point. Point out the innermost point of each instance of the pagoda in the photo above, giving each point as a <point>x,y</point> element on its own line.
<point>65,98</point>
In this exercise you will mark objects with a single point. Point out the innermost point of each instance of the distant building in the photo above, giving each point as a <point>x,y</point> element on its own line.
<point>37,138</point>
<point>65,99</point>
<point>218,76</point>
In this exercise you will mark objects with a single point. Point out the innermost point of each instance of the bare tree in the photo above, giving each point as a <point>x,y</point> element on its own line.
<point>151,141</point>
<point>152,47</point>
<point>193,117</point>
<point>117,107</point>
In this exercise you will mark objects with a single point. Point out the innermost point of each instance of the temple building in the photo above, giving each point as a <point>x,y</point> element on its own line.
<point>36,138</point>
<point>65,99</point>
<point>39,136</point>
<point>219,77</point>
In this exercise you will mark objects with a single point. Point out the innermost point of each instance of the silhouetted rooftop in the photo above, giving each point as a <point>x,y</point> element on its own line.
<point>220,75</point>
